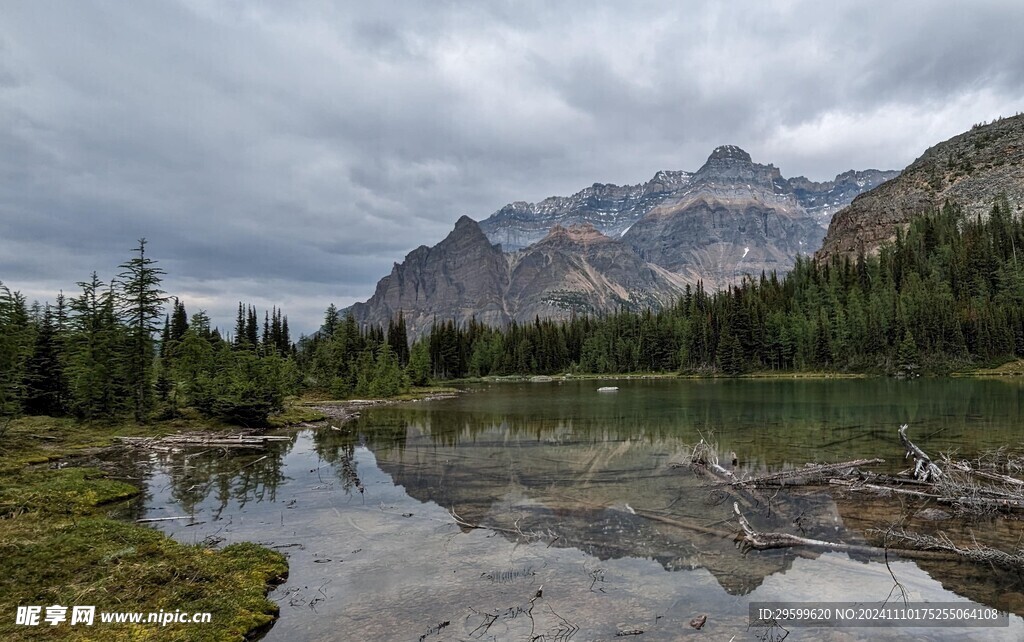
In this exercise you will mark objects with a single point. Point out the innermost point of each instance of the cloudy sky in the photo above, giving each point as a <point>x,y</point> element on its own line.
<point>286,153</point>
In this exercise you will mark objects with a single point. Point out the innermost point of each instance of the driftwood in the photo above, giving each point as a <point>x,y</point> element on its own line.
<point>193,440</point>
<point>965,467</point>
<point>968,488</point>
<point>808,472</point>
<point>924,468</point>
<point>704,459</point>
<point>149,520</point>
<point>510,531</point>
<point>705,456</point>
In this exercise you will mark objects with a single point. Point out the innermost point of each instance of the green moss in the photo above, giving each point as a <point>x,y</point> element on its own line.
<point>116,566</point>
<point>67,491</point>
<point>60,548</point>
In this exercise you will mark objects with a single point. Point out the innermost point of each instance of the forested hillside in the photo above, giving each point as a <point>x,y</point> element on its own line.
<point>946,294</point>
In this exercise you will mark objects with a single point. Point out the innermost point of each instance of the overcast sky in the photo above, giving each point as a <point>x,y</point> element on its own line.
<point>288,153</point>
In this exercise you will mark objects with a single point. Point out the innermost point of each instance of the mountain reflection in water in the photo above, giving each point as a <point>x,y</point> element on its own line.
<point>619,540</point>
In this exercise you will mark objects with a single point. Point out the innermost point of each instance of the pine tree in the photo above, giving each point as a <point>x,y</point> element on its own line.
<point>252,338</point>
<point>15,344</point>
<point>331,321</point>
<point>46,390</point>
<point>240,328</point>
<point>398,339</point>
<point>907,356</point>
<point>179,321</point>
<point>141,302</point>
<point>96,354</point>
<point>418,369</point>
<point>286,339</point>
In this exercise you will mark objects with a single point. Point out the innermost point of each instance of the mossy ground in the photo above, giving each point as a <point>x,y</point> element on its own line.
<point>116,566</point>
<point>1014,368</point>
<point>60,546</point>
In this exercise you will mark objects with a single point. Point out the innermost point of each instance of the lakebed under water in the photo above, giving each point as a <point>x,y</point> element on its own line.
<point>595,535</point>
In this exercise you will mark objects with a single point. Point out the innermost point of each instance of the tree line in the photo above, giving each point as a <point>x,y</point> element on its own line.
<point>104,355</point>
<point>947,292</point>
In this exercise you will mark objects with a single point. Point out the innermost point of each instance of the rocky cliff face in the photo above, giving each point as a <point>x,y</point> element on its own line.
<point>579,270</point>
<point>461,277</point>
<point>823,200</point>
<point>575,270</point>
<point>971,169</point>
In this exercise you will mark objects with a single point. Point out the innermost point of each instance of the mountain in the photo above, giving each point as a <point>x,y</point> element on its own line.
<point>461,277</point>
<point>574,270</point>
<point>971,169</point>
<point>734,217</point>
<point>608,246</point>
<point>823,200</point>
<point>579,270</point>
<point>613,209</point>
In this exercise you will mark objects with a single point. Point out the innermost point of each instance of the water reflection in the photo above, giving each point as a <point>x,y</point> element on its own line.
<point>769,422</point>
<point>623,538</point>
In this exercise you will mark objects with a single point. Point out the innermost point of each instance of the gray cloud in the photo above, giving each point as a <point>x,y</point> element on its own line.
<point>287,154</point>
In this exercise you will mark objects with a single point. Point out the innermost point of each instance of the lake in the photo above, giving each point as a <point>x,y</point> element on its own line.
<point>592,534</point>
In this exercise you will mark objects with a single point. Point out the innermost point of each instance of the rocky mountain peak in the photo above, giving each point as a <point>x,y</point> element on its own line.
<point>468,229</point>
<point>466,224</point>
<point>608,246</point>
<point>729,152</point>
<point>730,165</point>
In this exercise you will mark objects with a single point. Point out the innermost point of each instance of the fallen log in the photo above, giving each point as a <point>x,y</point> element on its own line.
<point>697,528</point>
<point>191,440</point>
<point>750,539</point>
<point>813,471</point>
<point>924,468</point>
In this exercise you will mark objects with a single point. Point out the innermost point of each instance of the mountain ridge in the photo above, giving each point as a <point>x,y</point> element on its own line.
<point>972,169</point>
<point>607,247</point>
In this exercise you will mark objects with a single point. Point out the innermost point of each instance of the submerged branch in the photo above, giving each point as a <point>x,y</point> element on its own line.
<point>942,543</point>
<point>750,539</point>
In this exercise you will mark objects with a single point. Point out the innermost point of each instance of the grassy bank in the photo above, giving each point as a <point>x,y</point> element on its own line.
<point>1013,368</point>
<point>62,547</point>
<point>766,374</point>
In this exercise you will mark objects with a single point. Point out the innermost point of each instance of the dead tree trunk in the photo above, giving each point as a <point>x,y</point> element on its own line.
<point>924,468</point>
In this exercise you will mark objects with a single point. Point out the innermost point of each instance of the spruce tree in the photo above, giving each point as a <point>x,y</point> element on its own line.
<point>240,328</point>
<point>97,346</point>
<point>141,302</point>
<point>14,348</point>
<point>45,385</point>
<point>418,369</point>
